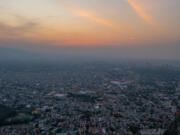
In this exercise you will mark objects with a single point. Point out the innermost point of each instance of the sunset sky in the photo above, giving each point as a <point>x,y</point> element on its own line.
<point>90,22</point>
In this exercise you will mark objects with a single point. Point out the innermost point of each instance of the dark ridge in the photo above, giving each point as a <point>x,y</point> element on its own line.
<point>5,112</point>
<point>174,128</point>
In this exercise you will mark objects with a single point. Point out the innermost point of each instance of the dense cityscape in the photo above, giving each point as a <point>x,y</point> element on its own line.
<point>88,98</point>
<point>90,67</point>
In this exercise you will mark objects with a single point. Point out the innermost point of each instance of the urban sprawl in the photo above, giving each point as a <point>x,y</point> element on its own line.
<point>88,98</point>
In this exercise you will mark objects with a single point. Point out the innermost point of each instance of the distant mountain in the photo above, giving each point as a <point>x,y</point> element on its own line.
<point>15,54</point>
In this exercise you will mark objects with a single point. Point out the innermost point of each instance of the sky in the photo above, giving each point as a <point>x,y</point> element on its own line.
<point>90,23</point>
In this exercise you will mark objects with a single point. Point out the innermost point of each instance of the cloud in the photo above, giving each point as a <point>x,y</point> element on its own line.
<point>91,17</point>
<point>88,15</point>
<point>18,29</point>
<point>141,13</point>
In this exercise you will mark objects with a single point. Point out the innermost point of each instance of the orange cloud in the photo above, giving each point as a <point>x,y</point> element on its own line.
<point>139,10</point>
<point>94,18</point>
<point>88,15</point>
